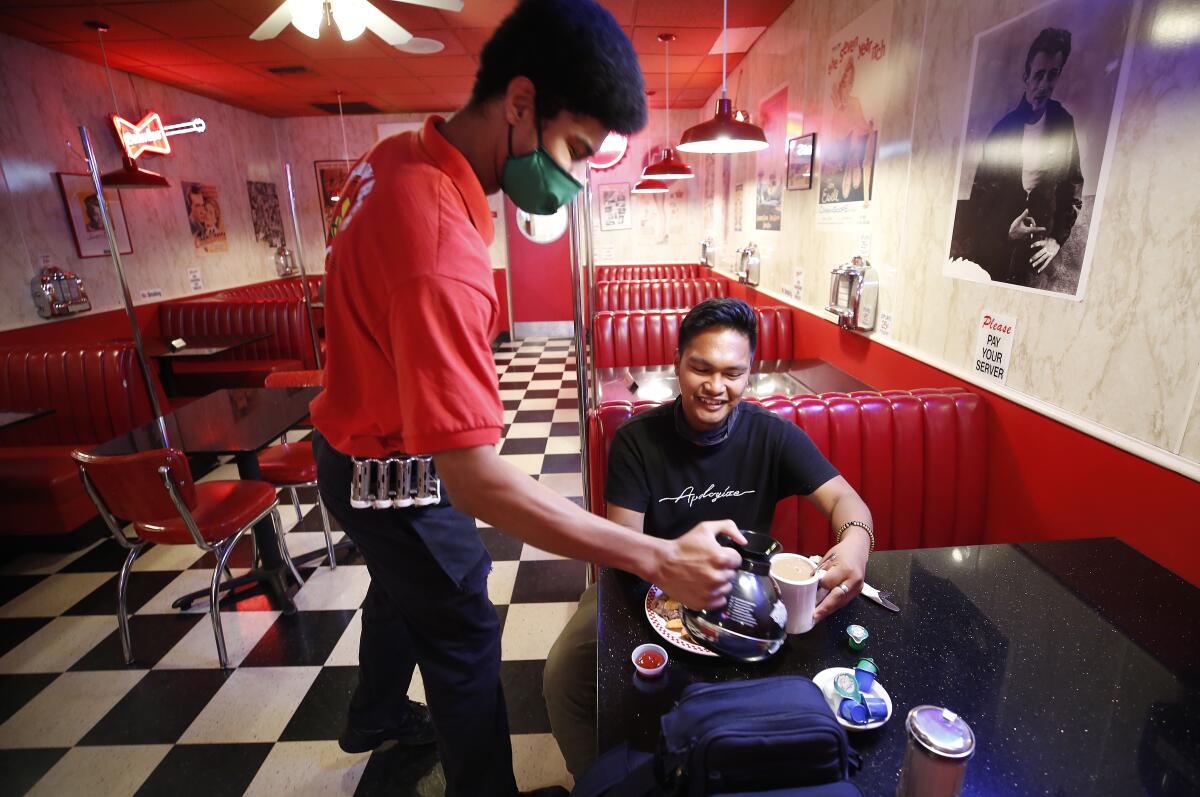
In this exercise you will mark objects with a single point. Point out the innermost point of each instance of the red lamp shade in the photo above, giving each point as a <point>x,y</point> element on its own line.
<point>648,186</point>
<point>669,168</point>
<point>723,134</point>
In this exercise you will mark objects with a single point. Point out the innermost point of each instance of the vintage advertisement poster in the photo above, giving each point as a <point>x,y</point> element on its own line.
<point>855,94</point>
<point>264,213</point>
<point>771,163</point>
<point>1038,130</point>
<point>331,175</point>
<point>83,212</point>
<point>739,207</point>
<point>204,217</point>
<point>614,207</point>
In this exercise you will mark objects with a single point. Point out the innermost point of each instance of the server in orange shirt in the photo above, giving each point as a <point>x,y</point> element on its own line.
<point>410,416</point>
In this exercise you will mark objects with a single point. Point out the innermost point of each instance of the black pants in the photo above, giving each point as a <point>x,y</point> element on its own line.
<point>415,614</point>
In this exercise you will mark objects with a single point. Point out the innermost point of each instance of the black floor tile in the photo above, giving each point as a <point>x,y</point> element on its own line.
<point>567,404</point>
<point>107,557</point>
<point>562,463</point>
<point>541,394</point>
<point>20,769</point>
<point>502,547</point>
<point>301,639</point>
<point>13,585</point>
<point>554,361</point>
<point>153,636</point>
<point>312,520</point>
<point>520,369</point>
<point>403,772</point>
<point>522,682</point>
<point>510,384</point>
<point>17,690</point>
<point>551,581</point>
<point>322,713</point>
<point>564,429</point>
<point>158,709</point>
<point>348,555</point>
<point>524,445</point>
<point>308,495</point>
<point>142,587</point>
<point>241,557</point>
<point>205,770</point>
<point>15,630</point>
<point>502,615</point>
<point>533,416</point>
<point>511,404</point>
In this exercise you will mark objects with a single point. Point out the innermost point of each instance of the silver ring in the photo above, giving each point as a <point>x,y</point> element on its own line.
<point>845,590</point>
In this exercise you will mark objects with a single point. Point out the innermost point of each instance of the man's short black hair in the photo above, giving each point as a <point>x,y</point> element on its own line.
<point>1049,41</point>
<point>577,57</point>
<point>723,313</point>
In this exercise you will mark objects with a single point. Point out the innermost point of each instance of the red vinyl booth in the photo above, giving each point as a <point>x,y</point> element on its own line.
<point>678,271</point>
<point>657,294</point>
<point>918,458</point>
<point>97,393</point>
<point>287,288</point>
<point>626,338</point>
<point>288,348</point>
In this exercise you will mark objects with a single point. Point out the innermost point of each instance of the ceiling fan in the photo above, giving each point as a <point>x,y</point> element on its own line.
<point>352,17</point>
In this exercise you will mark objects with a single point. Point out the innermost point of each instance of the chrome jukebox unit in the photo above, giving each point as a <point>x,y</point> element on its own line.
<point>854,295</point>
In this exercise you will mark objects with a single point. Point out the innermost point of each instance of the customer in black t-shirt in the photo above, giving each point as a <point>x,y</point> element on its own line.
<point>705,456</point>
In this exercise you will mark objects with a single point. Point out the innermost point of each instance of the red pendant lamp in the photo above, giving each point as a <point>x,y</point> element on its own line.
<point>648,185</point>
<point>723,133</point>
<point>669,166</point>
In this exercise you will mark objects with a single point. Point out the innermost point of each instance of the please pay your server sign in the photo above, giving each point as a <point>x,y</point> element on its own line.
<point>993,346</point>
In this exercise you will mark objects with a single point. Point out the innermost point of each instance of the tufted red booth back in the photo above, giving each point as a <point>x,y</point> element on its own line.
<point>96,391</point>
<point>281,289</point>
<point>657,294</point>
<point>918,458</point>
<point>626,338</point>
<point>679,271</point>
<point>285,319</point>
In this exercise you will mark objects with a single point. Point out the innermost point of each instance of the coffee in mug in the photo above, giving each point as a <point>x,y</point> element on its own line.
<point>799,583</point>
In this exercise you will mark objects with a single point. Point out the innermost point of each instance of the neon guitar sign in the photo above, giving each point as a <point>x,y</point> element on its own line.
<point>150,134</point>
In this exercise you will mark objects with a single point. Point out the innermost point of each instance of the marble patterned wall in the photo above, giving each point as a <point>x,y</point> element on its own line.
<point>44,97</point>
<point>1127,356</point>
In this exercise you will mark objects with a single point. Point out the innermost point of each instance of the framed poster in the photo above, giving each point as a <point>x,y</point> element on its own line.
<point>614,207</point>
<point>768,207</point>
<point>204,217</point>
<point>331,176</point>
<point>800,162</point>
<point>264,213</point>
<point>83,213</point>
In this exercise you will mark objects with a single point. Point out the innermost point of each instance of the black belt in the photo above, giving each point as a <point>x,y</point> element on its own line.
<point>395,481</point>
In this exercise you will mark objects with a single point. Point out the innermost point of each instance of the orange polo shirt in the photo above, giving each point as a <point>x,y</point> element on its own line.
<point>409,305</point>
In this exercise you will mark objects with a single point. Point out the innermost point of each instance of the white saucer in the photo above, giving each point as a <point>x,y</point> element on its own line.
<point>824,681</point>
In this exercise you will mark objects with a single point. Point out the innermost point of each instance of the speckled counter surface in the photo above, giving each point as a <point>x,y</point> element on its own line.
<point>1077,664</point>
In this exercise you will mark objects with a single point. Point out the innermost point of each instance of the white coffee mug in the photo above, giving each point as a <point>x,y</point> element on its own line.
<point>800,587</point>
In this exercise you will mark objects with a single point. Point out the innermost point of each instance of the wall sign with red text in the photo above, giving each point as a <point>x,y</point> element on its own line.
<point>993,346</point>
<point>150,134</point>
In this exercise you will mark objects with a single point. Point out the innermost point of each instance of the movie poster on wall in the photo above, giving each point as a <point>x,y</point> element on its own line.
<point>738,207</point>
<point>264,213</point>
<point>1038,131</point>
<point>204,217</point>
<point>771,162</point>
<point>614,207</point>
<point>855,91</point>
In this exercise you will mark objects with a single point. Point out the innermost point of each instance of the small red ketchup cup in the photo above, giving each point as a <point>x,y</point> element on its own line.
<point>650,660</point>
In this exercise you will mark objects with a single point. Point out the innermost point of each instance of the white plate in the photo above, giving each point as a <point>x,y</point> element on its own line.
<point>824,681</point>
<point>660,625</point>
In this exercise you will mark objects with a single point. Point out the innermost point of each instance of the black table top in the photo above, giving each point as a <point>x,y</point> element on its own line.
<point>14,417</point>
<point>1076,663</point>
<point>200,346</point>
<point>767,378</point>
<point>235,421</point>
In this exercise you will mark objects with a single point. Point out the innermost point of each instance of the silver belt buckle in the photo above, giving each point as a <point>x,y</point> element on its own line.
<point>394,481</point>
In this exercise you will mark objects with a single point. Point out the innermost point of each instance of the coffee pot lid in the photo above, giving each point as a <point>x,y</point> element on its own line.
<point>758,545</point>
<point>941,731</point>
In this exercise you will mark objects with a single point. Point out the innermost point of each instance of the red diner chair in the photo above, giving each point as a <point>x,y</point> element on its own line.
<point>292,465</point>
<point>155,492</point>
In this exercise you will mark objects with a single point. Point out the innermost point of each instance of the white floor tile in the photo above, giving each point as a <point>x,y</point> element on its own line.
<point>116,771</point>
<point>198,648</point>
<point>253,705</point>
<point>221,473</point>
<point>565,415</point>
<point>54,594</point>
<point>537,762</point>
<point>527,463</point>
<point>312,769</point>
<point>528,430</point>
<point>563,445</point>
<point>565,484</point>
<point>345,652</point>
<point>343,588</point>
<point>529,553</point>
<point>511,395</point>
<point>185,582</point>
<point>531,628</point>
<point>287,512</point>
<point>167,557</point>
<point>302,542</point>
<point>56,646</point>
<point>501,581</point>
<point>538,404</point>
<point>509,415</point>
<point>64,711</point>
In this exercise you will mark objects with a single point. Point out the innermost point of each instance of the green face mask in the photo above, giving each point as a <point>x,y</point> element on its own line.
<point>535,182</point>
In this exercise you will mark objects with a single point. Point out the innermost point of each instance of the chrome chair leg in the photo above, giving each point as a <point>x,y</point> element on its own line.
<point>283,551</point>
<point>214,606</point>
<point>296,503</point>
<point>122,603</point>
<point>328,534</point>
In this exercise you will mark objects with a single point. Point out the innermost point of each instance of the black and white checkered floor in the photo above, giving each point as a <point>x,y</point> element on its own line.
<point>75,720</point>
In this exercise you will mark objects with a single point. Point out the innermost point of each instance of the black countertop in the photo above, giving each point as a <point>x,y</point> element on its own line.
<point>1076,663</point>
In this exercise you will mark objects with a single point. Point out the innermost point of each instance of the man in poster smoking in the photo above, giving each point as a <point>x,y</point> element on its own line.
<point>1028,189</point>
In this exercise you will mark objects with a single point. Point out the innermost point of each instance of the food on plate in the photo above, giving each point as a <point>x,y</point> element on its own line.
<point>671,611</point>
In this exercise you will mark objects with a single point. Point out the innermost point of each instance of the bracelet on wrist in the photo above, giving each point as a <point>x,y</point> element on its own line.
<point>860,524</point>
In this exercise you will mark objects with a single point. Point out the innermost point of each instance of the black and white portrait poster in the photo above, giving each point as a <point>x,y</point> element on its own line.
<point>1039,126</point>
<point>856,91</point>
<point>614,207</point>
<point>264,213</point>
